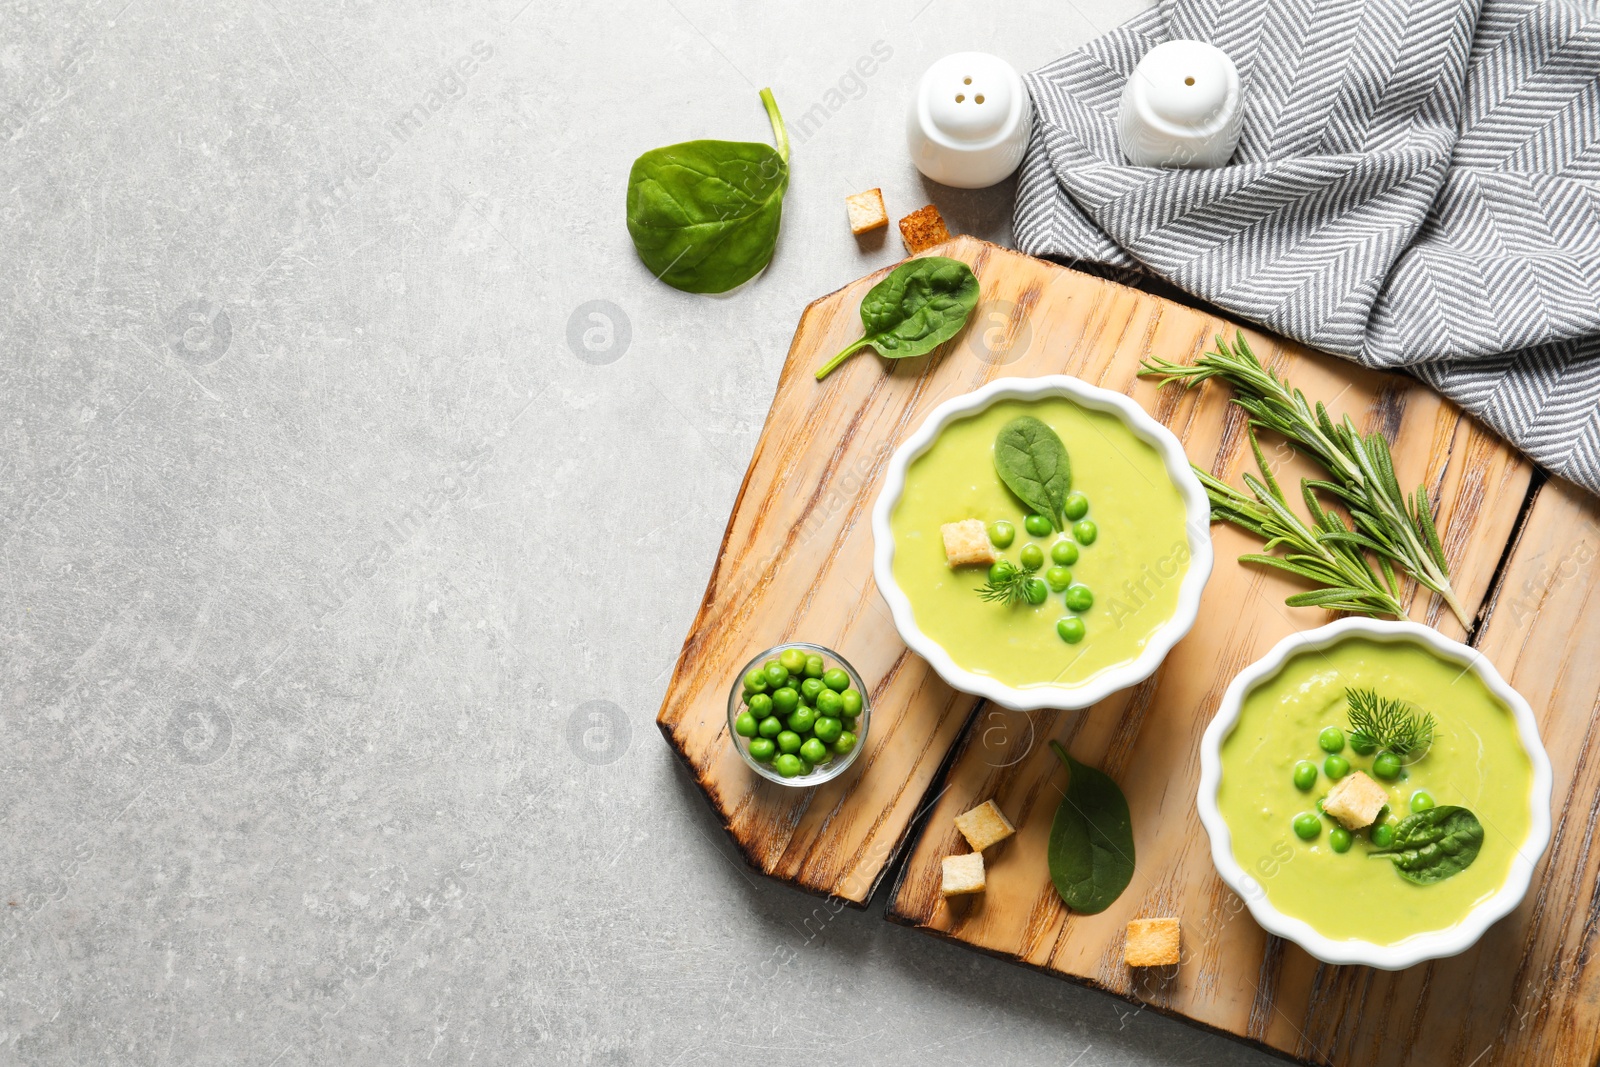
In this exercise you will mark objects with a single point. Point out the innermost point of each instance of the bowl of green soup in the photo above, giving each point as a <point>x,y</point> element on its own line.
<point>1041,542</point>
<point>1375,793</point>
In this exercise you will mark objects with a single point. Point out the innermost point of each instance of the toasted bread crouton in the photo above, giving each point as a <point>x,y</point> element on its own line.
<point>963,875</point>
<point>1355,800</point>
<point>967,542</point>
<point>984,825</point>
<point>866,211</point>
<point>1151,943</point>
<point>922,229</point>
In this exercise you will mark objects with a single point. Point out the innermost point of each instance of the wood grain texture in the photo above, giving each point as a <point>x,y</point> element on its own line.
<point>796,563</point>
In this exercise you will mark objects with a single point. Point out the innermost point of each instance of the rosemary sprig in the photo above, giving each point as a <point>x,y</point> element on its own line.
<point>1389,523</point>
<point>1319,553</point>
<point>1010,588</point>
<point>1380,722</point>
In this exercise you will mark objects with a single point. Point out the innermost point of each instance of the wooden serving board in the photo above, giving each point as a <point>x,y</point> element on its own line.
<point>796,564</point>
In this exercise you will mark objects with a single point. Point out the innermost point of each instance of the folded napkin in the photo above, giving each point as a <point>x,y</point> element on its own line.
<point>1417,185</point>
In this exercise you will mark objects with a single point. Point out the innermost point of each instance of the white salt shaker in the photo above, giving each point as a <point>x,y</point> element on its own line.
<point>1181,108</point>
<point>969,121</point>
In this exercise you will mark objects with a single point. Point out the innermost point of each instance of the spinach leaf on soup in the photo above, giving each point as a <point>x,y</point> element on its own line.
<point>1430,846</point>
<point>704,215</point>
<point>1091,840</point>
<point>918,307</point>
<point>1033,463</point>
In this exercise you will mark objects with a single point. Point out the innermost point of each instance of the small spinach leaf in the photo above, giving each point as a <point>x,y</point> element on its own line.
<point>1033,463</point>
<point>704,215</point>
<point>1091,840</point>
<point>1435,844</point>
<point>918,307</point>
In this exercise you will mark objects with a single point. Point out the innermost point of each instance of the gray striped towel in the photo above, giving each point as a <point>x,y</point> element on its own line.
<point>1417,185</point>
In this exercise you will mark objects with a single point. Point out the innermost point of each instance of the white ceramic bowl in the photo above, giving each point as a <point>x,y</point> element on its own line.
<point>1197,526</point>
<point>1424,946</point>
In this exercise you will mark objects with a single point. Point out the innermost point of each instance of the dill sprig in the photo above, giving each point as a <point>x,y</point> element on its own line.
<point>1012,588</point>
<point>1384,723</point>
<point>1392,525</point>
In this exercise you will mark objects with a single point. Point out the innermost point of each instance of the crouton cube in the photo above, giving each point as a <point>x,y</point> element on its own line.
<point>963,875</point>
<point>984,825</point>
<point>922,229</point>
<point>967,542</point>
<point>866,211</point>
<point>1151,943</point>
<point>1355,800</point>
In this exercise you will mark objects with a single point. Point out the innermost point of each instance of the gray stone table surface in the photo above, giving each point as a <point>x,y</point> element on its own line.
<point>358,487</point>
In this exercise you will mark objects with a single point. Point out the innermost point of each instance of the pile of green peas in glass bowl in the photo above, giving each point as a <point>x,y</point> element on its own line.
<point>1077,597</point>
<point>798,714</point>
<point>1386,767</point>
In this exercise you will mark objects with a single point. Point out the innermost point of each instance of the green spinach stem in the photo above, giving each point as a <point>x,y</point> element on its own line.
<point>779,131</point>
<point>827,368</point>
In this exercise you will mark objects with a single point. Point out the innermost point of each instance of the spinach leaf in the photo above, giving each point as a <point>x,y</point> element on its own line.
<point>918,307</point>
<point>704,215</point>
<point>1033,463</point>
<point>1091,840</point>
<point>1435,844</point>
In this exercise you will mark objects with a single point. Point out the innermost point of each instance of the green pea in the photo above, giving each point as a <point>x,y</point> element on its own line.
<point>785,700</point>
<point>1037,525</point>
<point>813,751</point>
<point>1079,598</point>
<point>1085,532</point>
<point>846,742</point>
<point>1386,766</point>
<point>1382,835</point>
<point>776,675</point>
<point>745,724</point>
<point>810,688</point>
<point>1305,775</point>
<point>1036,591</point>
<point>1032,557</point>
<point>770,727</point>
<point>1307,825</point>
<point>829,703</point>
<point>1070,629</point>
<point>1076,506</point>
<point>1336,767</point>
<point>1000,571</point>
<point>1064,552</point>
<point>850,703</point>
<point>837,679</point>
<point>1331,739</point>
<point>788,741</point>
<point>827,730</point>
<point>789,765</point>
<point>793,660</point>
<point>1339,839</point>
<point>1001,534</point>
<point>1362,745</point>
<point>815,667</point>
<point>762,749</point>
<point>755,681</point>
<point>1421,800</point>
<point>1058,578</point>
<point>760,705</point>
<point>800,720</point>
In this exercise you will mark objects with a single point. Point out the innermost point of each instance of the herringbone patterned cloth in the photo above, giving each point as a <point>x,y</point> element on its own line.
<point>1417,185</point>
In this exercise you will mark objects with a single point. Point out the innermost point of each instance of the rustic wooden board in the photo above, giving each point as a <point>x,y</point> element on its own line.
<point>796,563</point>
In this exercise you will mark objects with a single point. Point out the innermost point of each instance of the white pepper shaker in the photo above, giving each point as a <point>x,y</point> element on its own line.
<point>1181,108</point>
<point>969,121</point>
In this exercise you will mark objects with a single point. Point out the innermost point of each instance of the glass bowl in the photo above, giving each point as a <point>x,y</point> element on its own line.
<point>823,772</point>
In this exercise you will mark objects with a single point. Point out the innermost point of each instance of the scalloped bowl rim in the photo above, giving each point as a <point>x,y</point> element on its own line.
<point>1197,527</point>
<point>1434,944</point>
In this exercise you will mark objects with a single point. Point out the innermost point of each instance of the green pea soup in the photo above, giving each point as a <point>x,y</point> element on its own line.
<point>1134,568</point>
<point>1476,761</point>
